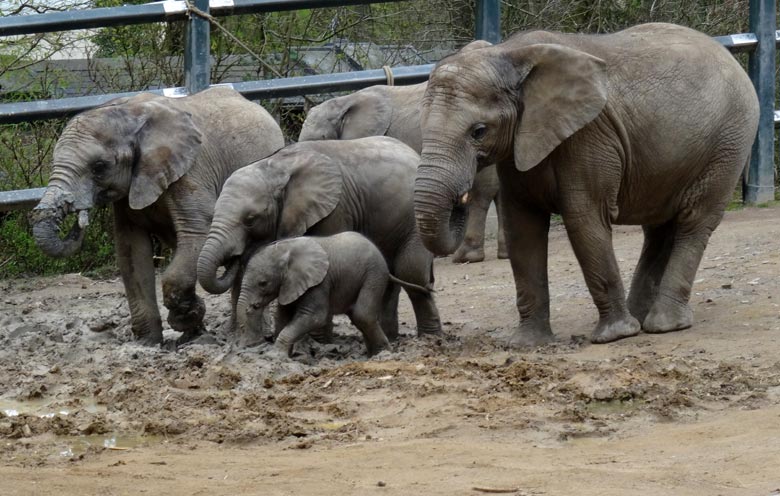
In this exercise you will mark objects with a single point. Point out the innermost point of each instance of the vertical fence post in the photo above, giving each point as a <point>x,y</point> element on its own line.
<point>197,70</point>
<point>759,185</point>
<point>488,16</point>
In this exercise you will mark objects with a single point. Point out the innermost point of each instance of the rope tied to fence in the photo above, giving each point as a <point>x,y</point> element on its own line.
<point>389,75</point>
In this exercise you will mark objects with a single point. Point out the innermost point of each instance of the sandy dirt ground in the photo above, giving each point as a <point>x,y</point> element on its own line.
<point>83,410</point>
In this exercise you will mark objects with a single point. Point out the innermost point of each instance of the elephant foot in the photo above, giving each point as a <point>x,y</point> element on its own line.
<point>502,253</point>
<point>377,347</point>
<point>323,335</point>
<point>531,336</point>
<point>430,329</point>
<point>468,254</point>
<point>150,339</point>
<point>609,330</point>
<point>278,352</point>
<point>667,318</point>
<point>190,335</point>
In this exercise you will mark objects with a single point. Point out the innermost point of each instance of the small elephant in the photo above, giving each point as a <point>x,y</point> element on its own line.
<point>323,188</point>
<point>652,126</point>
<point>161,163</point>
<point>315,278</point>
<point>395,111</point>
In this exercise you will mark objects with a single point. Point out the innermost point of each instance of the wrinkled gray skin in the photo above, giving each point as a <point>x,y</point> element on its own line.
<point>651,126</point>
<point>322,188</point>
<point>161,163</point>
<point>315,278</point>
<point>395,111</point>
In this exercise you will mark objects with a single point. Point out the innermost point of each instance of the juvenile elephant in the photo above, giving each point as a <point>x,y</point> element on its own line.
<point>322,188</point>
<point>395,111</point>
<point>161,163</point>
<point>651,126</point>
<point>315,278</point>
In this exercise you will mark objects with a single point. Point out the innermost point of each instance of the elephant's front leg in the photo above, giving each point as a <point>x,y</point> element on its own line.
<point>591,238</point>
<point>134,257</point>
<point>185,308</point>
<point>311,312</point>
<point>414,264</point>
<point>472,249</point>
<point>526,236</point>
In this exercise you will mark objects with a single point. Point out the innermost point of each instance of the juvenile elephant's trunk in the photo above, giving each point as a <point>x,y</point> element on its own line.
<point>440,209</point>
<point>47,218</point>
<point>210,260</point>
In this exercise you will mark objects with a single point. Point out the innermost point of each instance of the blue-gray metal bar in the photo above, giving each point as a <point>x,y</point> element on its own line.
<point>19,199</point>
<point>169,10</point>
<point>488,17</point>
<point>11,113</point>
<point>759,180</point>
<point>197,52</point>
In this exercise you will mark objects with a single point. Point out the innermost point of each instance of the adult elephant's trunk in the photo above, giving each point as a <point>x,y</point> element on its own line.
<point>47,218</point>
<point>440,206</point>
<point>214,255</point>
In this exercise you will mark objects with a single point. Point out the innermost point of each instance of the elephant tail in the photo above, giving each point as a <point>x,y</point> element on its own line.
<point>410,286</point>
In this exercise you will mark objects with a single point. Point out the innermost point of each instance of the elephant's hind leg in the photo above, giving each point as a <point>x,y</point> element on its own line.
<point>365,315</point>
<point>650,269</point>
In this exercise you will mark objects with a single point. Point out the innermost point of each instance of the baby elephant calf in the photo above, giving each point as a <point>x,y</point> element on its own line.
<point>314,278</point>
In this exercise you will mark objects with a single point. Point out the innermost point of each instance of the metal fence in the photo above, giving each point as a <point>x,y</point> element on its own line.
<point>760,43</point>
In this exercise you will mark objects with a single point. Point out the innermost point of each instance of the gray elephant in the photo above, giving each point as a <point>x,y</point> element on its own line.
<point>395,111</point>
<point>651,126</point>
<point>323,188</point>
<point>315,278</point>
<point>161,163</point>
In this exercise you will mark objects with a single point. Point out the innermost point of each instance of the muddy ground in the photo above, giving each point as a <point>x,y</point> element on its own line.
<point>86,411</point>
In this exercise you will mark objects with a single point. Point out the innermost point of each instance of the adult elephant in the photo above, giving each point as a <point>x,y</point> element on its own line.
<point>321,188</point>
<point>395,111</point>
<point>651,126</point>
<point>161,163</point>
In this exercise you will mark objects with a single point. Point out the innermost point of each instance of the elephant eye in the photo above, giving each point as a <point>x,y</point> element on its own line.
<point>478,132</point>
<point>99,167</point>
<point>250,220</point>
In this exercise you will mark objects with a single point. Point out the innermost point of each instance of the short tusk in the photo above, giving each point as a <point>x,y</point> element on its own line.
<point>465,198</point>
<point>83,219</point>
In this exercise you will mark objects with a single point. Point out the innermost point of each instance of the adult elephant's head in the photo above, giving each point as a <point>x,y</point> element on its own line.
<point>279,197</point>
<point>130,148</point>
<point>491,105</point>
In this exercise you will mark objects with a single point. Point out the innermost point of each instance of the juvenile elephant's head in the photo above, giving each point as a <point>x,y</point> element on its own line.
<point>279,197</point>
<point>492,105</point>
<point>130,148</point>
<point>283,270</point>
<point>361,114</point>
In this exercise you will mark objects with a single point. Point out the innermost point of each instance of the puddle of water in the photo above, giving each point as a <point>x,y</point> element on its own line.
<point>47,407</point>
<point>612,407</point>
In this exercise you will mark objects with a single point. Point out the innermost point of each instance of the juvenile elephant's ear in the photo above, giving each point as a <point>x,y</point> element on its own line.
<point>563,90</point>
<point>167,143</point>
<point>306,267</point>
<point>312,192</point>
<point>368,114</point>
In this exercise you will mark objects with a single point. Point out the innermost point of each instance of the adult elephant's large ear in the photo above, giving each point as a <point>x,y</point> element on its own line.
<point>563,90</point>
<point>312,192</point>
<point>167,143</point>
<point>306,267</point>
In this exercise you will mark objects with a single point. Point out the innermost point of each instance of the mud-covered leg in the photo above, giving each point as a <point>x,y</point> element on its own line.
<point>185,308</point>
<point>501,251</point>
<point>649,270</point>
<point>311,313</point>
<point>134,258</point>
